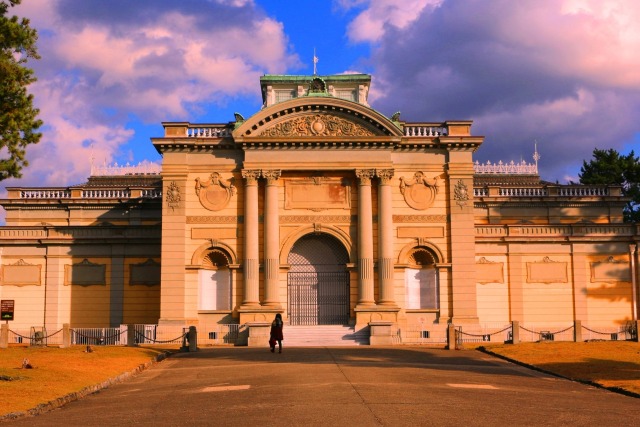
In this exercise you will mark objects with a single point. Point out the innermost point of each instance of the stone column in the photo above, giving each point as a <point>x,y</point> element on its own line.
<point>365,238</point>
<point>251,249</point>
<point>271,239</point>
<point>385,238</point>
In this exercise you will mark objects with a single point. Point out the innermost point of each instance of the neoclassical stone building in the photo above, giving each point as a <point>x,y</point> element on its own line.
<point>322,209</point>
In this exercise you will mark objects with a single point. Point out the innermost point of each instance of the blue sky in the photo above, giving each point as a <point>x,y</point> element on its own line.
<point>563,73</point>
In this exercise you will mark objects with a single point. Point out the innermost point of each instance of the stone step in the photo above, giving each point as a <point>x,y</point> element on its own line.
<point>323,336</point>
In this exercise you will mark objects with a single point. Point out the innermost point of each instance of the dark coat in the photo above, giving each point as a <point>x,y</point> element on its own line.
<point>276,331</point>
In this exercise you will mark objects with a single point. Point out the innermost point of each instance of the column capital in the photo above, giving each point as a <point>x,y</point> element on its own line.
<point>251,175</point>
<point>365,175</point>
<point>271,175</point>
<point>384,175</point>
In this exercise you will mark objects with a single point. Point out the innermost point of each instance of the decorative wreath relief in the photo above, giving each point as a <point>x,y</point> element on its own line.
<point>173,195</point>
<point>214,194</point>
<point>420,192</point>
<point>461,194</point>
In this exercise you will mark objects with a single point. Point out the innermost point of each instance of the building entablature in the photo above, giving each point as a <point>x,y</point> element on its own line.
<point>52,234</point>
<point>555,231</point>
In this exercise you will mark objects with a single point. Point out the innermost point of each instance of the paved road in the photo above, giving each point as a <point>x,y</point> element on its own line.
<point>355,386</point>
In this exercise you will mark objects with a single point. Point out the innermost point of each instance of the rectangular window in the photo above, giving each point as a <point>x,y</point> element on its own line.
<point>215,290</point>
<point>348,94</point>
<point>285,94</point>
<point>421,289</point>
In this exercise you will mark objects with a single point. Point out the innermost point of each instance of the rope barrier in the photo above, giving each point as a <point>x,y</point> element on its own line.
<point>107,337</point>
<point>154,341</point>
<point>33,337</point>
<point>484,335</point>
<point>549,332</point>
<point>597,332</point>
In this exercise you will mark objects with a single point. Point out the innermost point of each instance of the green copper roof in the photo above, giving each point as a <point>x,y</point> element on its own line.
<point>287,78</point>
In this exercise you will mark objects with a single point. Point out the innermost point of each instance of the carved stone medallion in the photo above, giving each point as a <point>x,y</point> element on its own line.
<point>214,194</point>
<point>420,192</point>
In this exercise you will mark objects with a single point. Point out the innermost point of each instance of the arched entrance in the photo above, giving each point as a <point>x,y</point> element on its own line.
<point>318,281</point>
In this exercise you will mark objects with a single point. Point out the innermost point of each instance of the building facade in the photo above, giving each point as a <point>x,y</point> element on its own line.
<point>322,209</point>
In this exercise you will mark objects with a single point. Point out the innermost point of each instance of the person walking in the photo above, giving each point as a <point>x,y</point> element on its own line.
<point>276,333</point>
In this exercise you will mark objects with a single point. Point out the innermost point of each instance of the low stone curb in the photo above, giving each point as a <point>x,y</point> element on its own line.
<point>72,397</point>
<point>544,371</point>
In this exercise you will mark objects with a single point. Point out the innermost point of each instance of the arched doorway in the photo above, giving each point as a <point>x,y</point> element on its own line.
<point>318,281</point>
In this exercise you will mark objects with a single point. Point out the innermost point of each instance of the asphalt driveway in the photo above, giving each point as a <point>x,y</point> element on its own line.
<point>343,386</point>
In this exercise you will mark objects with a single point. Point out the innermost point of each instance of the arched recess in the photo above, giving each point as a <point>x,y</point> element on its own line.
<point>331,230</point>
<point>203,250</point>
<point>408,249</point>
<point>421,276</point>
<point>214,265</point>
<point>307,105</point>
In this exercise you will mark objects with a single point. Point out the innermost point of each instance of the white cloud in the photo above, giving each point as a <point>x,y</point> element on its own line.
<point>369,25</point>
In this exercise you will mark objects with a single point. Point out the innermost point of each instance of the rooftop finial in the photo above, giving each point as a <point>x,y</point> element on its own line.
<point>536,155</point>
<point>315,62</point>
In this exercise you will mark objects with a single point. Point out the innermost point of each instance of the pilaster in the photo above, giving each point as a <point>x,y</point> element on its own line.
<point>173,289</point>
<point>462,232</point>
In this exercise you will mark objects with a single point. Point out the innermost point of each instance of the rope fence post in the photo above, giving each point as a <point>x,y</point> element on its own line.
<point>193,339</point>
<point>515,332</point>
<point>635,324</point>
<point>451,337</point>
<point>66,335</point>
<point>577,331</point>
<point>131,336</point>
<point>4,336</point>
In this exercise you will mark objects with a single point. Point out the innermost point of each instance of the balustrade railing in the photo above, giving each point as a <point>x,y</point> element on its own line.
<point>106,194</point>
<point>543,192</point>
<point>45,194</point>
<point>151,194</point>
<point>523,192</point>
<point>424,130</point>
<point>583,191</point>
<point>209,131</point>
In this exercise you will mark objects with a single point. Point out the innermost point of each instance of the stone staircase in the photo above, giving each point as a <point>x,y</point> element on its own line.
<point>324,336</point>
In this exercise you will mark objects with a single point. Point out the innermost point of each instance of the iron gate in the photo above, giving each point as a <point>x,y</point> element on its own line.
<point>318,298</point>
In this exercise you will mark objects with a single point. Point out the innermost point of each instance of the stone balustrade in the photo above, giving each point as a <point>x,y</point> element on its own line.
<point>122,193</point>
<point>45,194</point>
<point>214,131</point>
<point>546,191</point>
<point>424,130</point>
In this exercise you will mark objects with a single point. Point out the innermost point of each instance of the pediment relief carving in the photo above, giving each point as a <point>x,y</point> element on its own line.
<point>317,125</point>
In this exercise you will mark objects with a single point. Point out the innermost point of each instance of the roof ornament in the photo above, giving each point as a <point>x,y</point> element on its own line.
<point>315,62</point>
<point>239,120</point>
<point>536,155</point>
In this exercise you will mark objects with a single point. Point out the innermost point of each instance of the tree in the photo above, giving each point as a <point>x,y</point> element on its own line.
<point>608,167</point>
<point>18,117</point>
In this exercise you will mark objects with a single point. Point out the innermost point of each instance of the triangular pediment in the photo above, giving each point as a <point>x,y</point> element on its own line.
<point>317,117</point>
